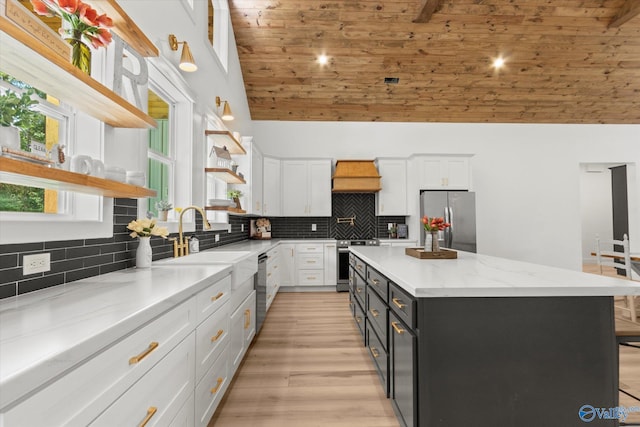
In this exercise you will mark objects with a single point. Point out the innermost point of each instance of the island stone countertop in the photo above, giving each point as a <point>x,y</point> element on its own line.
<point>473,275</point>
<point>45,333</point>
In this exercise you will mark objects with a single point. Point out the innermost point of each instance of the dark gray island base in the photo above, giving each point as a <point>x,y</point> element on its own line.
<point>488,361</point>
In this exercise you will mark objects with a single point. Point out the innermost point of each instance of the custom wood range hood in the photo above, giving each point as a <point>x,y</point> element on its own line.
<point>356,176</point>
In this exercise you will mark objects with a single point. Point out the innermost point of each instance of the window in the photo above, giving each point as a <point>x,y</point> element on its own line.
<point>40,119</point>
<point>161,152</point>
<point>218,30</point>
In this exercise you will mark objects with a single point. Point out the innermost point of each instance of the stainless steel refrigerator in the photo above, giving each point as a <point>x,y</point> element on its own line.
<point>457,208</point>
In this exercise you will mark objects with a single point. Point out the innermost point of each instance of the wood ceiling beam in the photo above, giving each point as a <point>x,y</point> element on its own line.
<point>429,7</point>
<point>629,10</point>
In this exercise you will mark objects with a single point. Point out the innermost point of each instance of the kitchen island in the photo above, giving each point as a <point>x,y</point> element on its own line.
<point>485,341</point>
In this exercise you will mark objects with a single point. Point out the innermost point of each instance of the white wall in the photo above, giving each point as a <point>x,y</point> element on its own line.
<point>527,177</point>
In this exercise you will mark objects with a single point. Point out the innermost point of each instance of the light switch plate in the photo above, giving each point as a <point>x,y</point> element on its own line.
<point>314,227</point>
<point>217,237</point>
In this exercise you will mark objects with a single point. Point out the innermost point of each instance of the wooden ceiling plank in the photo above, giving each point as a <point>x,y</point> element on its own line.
<point>429,7</point>
<point>629,10</point>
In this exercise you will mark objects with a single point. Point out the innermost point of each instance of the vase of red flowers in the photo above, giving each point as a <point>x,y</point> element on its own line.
<point>81,24</point>
<point>432,227</point>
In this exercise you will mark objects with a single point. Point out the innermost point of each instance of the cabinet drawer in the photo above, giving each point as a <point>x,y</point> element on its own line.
<point>310,261</point>
<point>310,248</point>
<point>310,277</point>
<point>211,338</point>
<point>81,395</point>
<point>159,395</point>
<point>359,267</point>
<point>185,417</point>
<point>210,390</point>
<point>378,315</point>
<point>378,353</point>
<point>359,318</point>
<point>210,299</point>
<point>359,289</point>
<point>402,304</point>
<point>378,282</point>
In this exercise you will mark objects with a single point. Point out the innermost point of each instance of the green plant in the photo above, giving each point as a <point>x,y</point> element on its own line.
<point>14,109</point>
<point>233,194</point>
<point>163,205</point>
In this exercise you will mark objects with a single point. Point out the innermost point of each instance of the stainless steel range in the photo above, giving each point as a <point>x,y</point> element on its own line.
<point>343,260</point>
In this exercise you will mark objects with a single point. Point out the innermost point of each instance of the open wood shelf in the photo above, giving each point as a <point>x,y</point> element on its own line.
<point>227,175</point>
<point>125,27</point>
<point>225,208</point>
<point>33,175</point>
<point>224,138</point>
<point>26,58</point>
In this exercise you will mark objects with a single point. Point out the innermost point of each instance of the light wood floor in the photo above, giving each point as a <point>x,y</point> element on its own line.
<point>308,368</point>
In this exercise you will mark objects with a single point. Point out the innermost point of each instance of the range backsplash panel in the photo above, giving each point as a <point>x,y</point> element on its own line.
<point>79,259</point>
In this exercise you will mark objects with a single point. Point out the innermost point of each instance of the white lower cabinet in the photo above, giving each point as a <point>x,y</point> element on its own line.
<point>243,329</point>
<point>80,396</point>
<point>185,417</point>
<point>287,264</point>
<point>212,337</point>
<point>157,398</point>
<point>210,390</point>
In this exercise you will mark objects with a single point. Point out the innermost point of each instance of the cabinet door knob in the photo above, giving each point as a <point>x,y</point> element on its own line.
<point>218,384</point>
<point>145,353</point>
<point>397,328</point>
<point>217,336</point>
<point>150,413</point>
<point>398,303</point>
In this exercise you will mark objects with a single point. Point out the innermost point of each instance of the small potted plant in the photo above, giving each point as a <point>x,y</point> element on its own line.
<point>163,208</point>
<point>13,109</point>
<point>235,196</point>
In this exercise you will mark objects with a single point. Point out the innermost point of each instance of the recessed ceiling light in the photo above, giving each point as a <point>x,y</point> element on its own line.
<point>323,59</point>
<point>498,63</point>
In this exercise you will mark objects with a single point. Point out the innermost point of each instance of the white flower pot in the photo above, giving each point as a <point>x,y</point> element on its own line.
<point>10,137</point>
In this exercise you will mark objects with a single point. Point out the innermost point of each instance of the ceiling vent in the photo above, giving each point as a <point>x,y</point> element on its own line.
<point>356,176</point>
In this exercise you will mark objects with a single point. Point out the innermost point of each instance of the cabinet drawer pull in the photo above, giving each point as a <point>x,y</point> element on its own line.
<point>247,318</point>
<point>218,384</point>
<point>268,274</point>
<point>217,336</point>
<point>150,413</point>
<point>217,297</point>
<point>374,352</point>
<point>275,266</point>
<point>359,290</point>
<point>375,281</point>
<point>310,262</point>
<point>397,328</point>
<point>138,358</point>
<point>359,267</point>
<point>311,277</point>
<point>375,312</point>
<point>398,303</point>
<point>359,319</point>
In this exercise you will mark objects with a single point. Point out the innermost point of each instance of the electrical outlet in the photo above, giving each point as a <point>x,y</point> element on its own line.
<point>389,225</point>
<point>37,263</point>
<point>229,229</point>
<point>314,227</point>
<point>242,228</point>
<point>217,237</point>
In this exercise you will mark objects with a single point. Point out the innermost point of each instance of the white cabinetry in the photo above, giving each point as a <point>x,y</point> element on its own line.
<point>287,264</point>
<point>310,264</point>
<point>437,173</point>
<point>330,264</point>
<point>392,198</point>
<point>273,274</point>
<point>271,188</point>
<point>306,187</point>
<point>243,329</point>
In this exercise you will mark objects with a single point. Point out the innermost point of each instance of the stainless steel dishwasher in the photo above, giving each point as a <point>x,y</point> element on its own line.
<point>260,285</point>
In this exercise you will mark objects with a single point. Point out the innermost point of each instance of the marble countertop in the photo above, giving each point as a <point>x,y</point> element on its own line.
<point>473,275</point>
<point>45,333</point>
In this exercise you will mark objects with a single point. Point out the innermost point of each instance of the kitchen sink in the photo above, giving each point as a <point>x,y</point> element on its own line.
<point>245,265</point>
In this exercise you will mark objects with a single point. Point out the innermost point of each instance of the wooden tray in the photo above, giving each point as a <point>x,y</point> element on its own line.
<point>420,253</point>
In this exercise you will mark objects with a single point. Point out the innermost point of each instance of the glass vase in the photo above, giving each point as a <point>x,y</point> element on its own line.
<point>144,253</point>
<point>80,54</point>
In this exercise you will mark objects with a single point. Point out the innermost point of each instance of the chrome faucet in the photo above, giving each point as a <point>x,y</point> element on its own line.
<point>181,245</point>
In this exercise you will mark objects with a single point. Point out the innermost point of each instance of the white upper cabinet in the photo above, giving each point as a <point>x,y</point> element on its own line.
<point>256,182</point>
<point>306,187</point>
<point>392,198</point>
<point>271,187</point>
<point>443,173</point>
